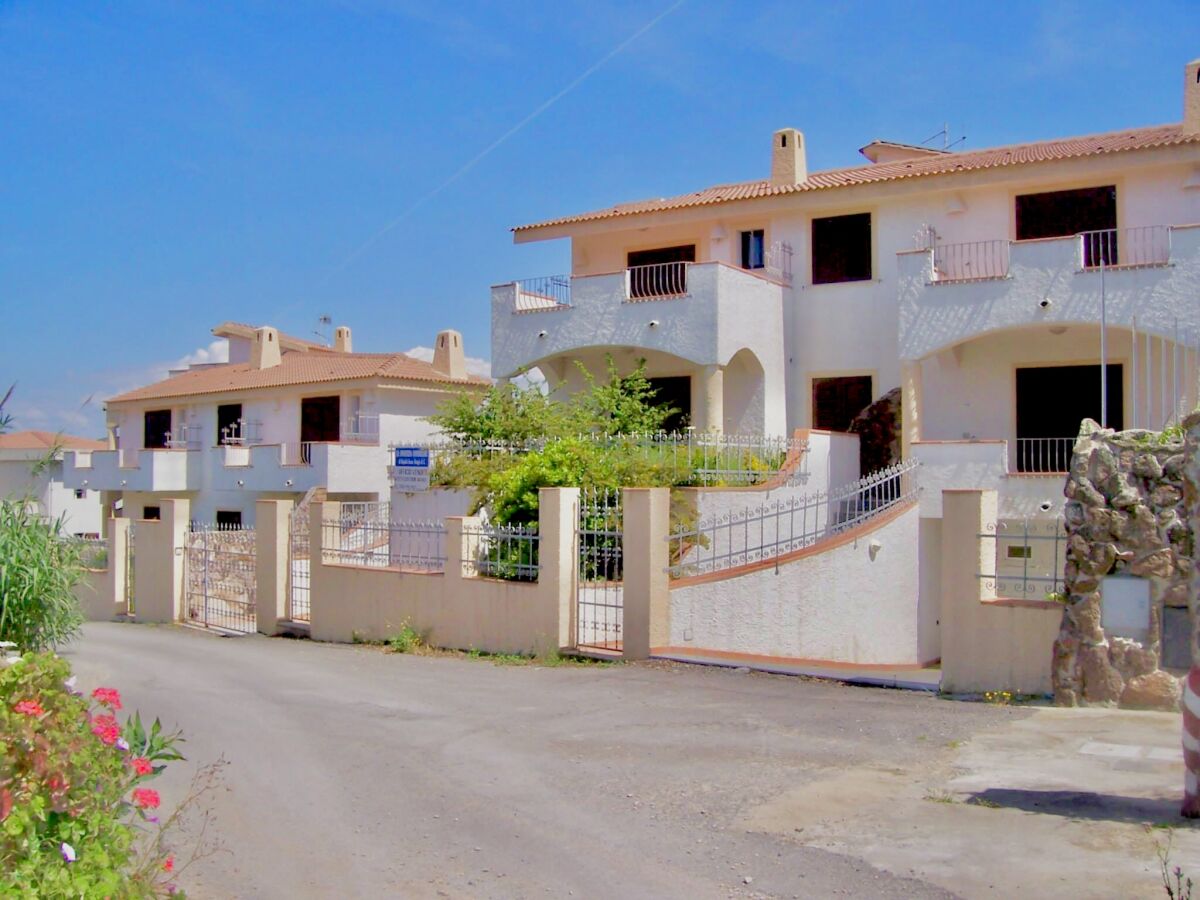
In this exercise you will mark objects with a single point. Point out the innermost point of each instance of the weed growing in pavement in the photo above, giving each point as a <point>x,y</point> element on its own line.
<point>1176,885</point>
<point>941,797</point>
<point>984,802</point>
<point>406,640</point>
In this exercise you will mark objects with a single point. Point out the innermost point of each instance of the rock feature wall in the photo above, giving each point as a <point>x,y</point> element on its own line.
<point>878,430</point>
<point>1126,513</point>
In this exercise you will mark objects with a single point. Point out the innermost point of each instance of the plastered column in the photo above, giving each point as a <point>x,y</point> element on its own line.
<point>646,589</point>
<point>964,557</point>
<point>708,399</point>
<point>320,591</point>
<point>910,406</point>
<point>117,531</point>
<point>272,521</point>
<point>160,562</point>
<point>558,511</point>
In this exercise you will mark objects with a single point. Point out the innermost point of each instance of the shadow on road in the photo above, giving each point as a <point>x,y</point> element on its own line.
<point>1086,805</point>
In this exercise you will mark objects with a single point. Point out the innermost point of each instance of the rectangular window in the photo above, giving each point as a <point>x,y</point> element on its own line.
<point>229,423</point>
<point>151,513</point>
<point>229,518</point>
<point>753,253</point>
<point>841,249</point>
<point>1066,213</point>
<point>157,429</point>
<point>836,401</point>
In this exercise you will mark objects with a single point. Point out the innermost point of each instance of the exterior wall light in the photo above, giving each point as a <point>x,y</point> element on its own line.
<point>654,323</point>
<point>288,483</point>
<point>241,483</point>
<point>543,333</point>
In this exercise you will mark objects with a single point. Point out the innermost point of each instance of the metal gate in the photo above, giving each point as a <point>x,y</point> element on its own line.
<point>299,566</point>
<point>130,572</point>
<point>599,597</point>
<point>220,577</point>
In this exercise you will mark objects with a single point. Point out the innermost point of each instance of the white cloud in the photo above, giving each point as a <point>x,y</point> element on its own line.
<point>475,365</point>
<point>216,352</point>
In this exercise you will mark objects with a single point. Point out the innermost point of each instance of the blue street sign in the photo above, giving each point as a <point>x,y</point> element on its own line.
<point>412,458</point>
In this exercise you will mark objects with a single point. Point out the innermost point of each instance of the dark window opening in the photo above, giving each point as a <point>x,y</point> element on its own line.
<point>1051,402</point>
<point>836,401</point>
<point>157,429</point>
<point>151,513</point>
<point>320,422</point>
<point>676,393</point>
<point>753,251</point>
<point>1066,213</point>
<point>841,249</point>
<point>229,518</point>
<point>229,423</point>
<point>661,272</point>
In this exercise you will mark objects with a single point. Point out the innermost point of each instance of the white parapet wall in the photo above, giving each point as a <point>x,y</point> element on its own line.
<point>850,599</point>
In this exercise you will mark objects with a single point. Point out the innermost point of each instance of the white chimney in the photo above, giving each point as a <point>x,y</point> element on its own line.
<point>341,339</point>
<point>1191,97</point>
<point>448,356</point>
<point>265,352</point>
<point>788,164</point>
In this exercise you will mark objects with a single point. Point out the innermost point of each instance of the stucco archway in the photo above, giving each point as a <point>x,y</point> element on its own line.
<point>744,395</point>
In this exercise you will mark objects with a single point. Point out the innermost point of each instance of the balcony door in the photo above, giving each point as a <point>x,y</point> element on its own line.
<point>1065,213</point>
<point>660,272</point>
<point>1051,402</point>
<point>320,419</point>
<point>157,429</point>
<point>229,423</point>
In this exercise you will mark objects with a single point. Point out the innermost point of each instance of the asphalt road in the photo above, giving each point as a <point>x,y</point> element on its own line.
<point>358,773</point>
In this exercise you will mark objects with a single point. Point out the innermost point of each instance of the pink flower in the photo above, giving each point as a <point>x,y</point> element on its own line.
<point>141,765</point>
<point>146,798</point>
<point>29,708</point>
<point>169,864</point>
<point>107,729</point>
<point>107,697</point>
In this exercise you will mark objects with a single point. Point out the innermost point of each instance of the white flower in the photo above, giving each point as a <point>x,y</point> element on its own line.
<point>69,684</point>
<point>123,744</point>
<point>67,851</point>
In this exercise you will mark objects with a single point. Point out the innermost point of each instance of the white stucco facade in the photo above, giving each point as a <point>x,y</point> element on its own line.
<point>79,509</point>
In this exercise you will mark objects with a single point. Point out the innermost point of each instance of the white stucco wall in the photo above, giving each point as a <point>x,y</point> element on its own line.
<point>80,515</point>
<point>836,606</point>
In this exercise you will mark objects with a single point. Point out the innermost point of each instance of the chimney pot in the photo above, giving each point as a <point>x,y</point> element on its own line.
<point>449,359</point>
<point>1191,98</point>
<point>341,339</point>
<point>788,162</point>
<point>265,352</point>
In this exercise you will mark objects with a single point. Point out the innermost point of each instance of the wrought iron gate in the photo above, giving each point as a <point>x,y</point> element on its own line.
<point>599,596</point>
<point>299,566</point>
<point>220,578</point>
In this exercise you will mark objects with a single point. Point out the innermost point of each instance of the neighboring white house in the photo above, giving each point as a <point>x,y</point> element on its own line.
<point>976,281</point>
<point>284,415</point>
<point>22,451</point>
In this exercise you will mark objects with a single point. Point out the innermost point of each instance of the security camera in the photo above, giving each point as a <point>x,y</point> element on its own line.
<point>1044,303</point>
<point>241,483</point>
<point>1045,506</point>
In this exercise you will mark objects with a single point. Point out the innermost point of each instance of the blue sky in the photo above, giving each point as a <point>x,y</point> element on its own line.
<point>165,166</point>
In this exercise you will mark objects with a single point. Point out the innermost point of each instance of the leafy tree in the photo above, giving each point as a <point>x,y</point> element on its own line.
<point>507,412</point>
<point>624,404</point>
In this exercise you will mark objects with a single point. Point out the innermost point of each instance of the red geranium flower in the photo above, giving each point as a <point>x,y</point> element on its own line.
<point>169,864</point>
<point>141,765</point>
<point>107,697</point>
<point>106,728</point>
<point>146,798</point>
<point>29,708</point>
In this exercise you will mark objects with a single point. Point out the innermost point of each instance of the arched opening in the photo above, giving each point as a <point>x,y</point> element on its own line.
<point>744,395</point>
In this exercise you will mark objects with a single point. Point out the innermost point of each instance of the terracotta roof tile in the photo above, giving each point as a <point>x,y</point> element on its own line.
<point>917,167</point>
<point>44,440</point>
<point>295,368</point>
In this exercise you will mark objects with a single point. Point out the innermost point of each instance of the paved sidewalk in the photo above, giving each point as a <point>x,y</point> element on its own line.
<point>913,678</point>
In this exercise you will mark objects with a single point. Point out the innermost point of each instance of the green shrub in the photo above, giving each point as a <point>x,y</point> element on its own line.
<point>74,809</point>
<point>406,640</point>
<point>39,569</point>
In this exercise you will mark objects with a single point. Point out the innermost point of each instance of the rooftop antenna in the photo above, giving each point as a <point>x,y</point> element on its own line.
<point>944,134</point>
<point>323,322</point>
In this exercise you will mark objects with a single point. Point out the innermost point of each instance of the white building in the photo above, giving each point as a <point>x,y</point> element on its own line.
<point>23,452</point>
<point>283,416</point>
<point>975,281</point>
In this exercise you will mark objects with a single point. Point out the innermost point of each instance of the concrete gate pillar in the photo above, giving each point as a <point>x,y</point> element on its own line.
<point>646,595</point>
<point>272,539</point>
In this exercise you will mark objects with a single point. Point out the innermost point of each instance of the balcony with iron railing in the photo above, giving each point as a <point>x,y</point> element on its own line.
<point>1141,277</point>
<point>693,310</point>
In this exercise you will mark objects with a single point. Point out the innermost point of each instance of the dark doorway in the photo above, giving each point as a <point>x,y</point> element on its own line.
<point>229,519</point>
<point>661,272</point>
<point>1051,402</point>
<point>320,419</point>
<point>836,401</point>
<point>157,429</point>
<point>229,423</point>
<point>675,392</point>
<point>1064,213</point>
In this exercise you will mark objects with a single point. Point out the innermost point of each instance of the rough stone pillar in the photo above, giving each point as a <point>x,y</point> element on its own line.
<point>272,533</point>
<point>910,406</point>
<point>645,587</point>
<point>160,562</point>
<point>558,511</point>
<point>1191,687</point>
<point>708,399</point>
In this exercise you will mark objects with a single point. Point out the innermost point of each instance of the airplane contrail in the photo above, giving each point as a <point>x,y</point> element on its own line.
<point>486,151</point>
